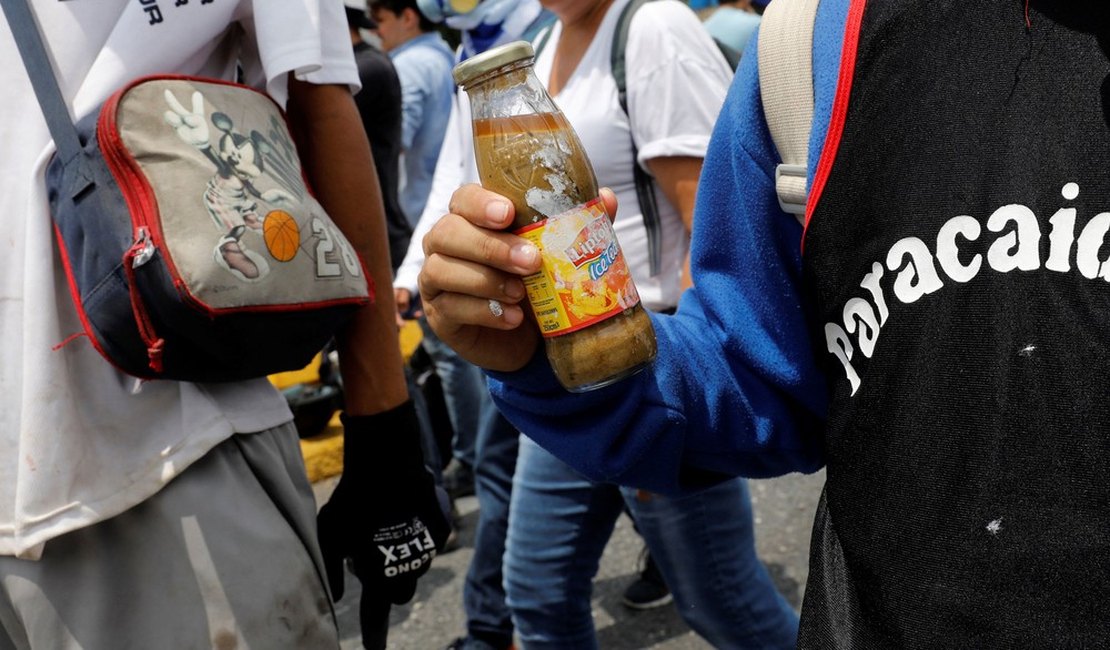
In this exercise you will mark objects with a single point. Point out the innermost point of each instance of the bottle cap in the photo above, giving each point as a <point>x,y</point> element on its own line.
<point>492,59</point>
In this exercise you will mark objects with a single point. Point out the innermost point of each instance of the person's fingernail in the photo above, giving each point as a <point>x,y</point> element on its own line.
<point>513,290</point>
<point>524,255</point>
<point>497,211</point>
<point>514,315</point>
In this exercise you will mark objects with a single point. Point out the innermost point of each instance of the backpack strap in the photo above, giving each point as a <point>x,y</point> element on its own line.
<point>786,85</point>
<point>32,50</point>
<point>645,188</point>
<point>542,21</point>
<point>544,37</point>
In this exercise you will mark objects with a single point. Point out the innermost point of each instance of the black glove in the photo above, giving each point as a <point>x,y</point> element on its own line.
<point>386,513</point>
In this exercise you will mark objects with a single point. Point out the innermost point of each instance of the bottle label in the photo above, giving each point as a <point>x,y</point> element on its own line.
<point>584,279</point>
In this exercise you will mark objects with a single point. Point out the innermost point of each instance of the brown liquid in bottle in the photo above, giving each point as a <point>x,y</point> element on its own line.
<point>537,162</point>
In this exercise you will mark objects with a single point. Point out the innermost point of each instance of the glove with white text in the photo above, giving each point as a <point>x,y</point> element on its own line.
<point>386,514</point>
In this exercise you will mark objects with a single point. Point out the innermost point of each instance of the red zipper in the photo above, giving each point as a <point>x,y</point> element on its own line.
<point>131,259</point>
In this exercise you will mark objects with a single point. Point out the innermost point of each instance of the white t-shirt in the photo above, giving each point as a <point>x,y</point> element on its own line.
<point>676,81</point>
<point>80,441</point>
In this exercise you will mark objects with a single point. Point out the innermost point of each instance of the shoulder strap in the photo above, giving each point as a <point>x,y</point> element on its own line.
<point>543,20</point>
<point>645,189</point>
<point>544,37</point>
<point>786,85</point>
<point>35,59</point>
<point>620,42</point>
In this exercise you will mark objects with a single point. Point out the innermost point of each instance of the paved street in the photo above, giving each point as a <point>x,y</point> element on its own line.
<point>783,510</point>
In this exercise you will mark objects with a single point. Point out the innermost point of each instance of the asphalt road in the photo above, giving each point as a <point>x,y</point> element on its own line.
<point>783,510</point>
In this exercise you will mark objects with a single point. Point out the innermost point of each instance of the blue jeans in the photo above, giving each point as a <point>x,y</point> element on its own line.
<point>464,392</point>
<point>489,625</point>
<point>703,544</point>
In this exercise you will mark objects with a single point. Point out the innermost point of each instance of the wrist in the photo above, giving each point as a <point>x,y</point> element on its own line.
<point>388,442</point>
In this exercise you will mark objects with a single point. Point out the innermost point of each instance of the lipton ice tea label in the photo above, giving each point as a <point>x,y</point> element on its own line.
<point>584,279</point>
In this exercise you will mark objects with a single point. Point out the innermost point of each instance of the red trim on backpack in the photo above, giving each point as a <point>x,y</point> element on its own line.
<point>839,109</point>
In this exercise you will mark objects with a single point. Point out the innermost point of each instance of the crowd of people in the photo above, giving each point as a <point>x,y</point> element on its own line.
<point>901,323</point>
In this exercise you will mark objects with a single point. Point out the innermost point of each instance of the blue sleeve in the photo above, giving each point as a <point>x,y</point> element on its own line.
<point>414,75</point>
<point>736,388</point>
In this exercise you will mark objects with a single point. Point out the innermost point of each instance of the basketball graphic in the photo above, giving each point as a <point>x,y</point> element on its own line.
<point>282,235</point>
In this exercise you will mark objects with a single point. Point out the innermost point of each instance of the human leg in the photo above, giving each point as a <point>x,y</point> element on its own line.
<point>224,556</point>
<point>704,545</point>
<point>559,523</point>
<point>488,621</point>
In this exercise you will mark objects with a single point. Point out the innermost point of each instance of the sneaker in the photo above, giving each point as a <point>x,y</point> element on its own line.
<point>458,479</point>
<point>648,591</point>
<point>451,544</point>
<point>466,643</point>
<point>452,541</point>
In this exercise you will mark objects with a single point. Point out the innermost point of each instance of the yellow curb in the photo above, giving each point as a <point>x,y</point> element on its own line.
<point>323,454</point>
<point>306,375</point>
<point>411,335</point>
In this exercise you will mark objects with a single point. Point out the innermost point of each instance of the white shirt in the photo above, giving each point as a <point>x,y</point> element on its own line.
<point>80,441</point>
<point>676,81</point>
<point>456,166</point>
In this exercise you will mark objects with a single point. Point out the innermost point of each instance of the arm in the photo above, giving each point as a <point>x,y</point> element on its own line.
<point>385,496</point>
<point>735,388</point>
<point>668,51</point>
<point>677,177</point>
<point>328,129</point>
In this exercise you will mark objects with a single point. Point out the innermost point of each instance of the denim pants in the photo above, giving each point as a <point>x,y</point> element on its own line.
<point>489,625</point>
<point>703,544</point>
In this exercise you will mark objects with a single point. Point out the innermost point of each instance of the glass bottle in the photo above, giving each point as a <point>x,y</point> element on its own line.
<point>583,299</point>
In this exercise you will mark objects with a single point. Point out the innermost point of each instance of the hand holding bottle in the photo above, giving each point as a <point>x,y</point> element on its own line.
<point>582,298</point>
<point>470,261</point>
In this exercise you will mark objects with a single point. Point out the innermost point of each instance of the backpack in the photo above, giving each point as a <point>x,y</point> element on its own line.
<point>645,187</point>
<point>191,243</point>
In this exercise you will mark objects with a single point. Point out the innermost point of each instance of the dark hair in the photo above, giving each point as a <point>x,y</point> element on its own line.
<point>398,6</point>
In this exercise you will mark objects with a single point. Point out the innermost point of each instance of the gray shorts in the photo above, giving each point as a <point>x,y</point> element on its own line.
<point>225,556</point>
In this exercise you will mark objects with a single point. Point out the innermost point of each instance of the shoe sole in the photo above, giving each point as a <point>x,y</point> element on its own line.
<point>651,604</point>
